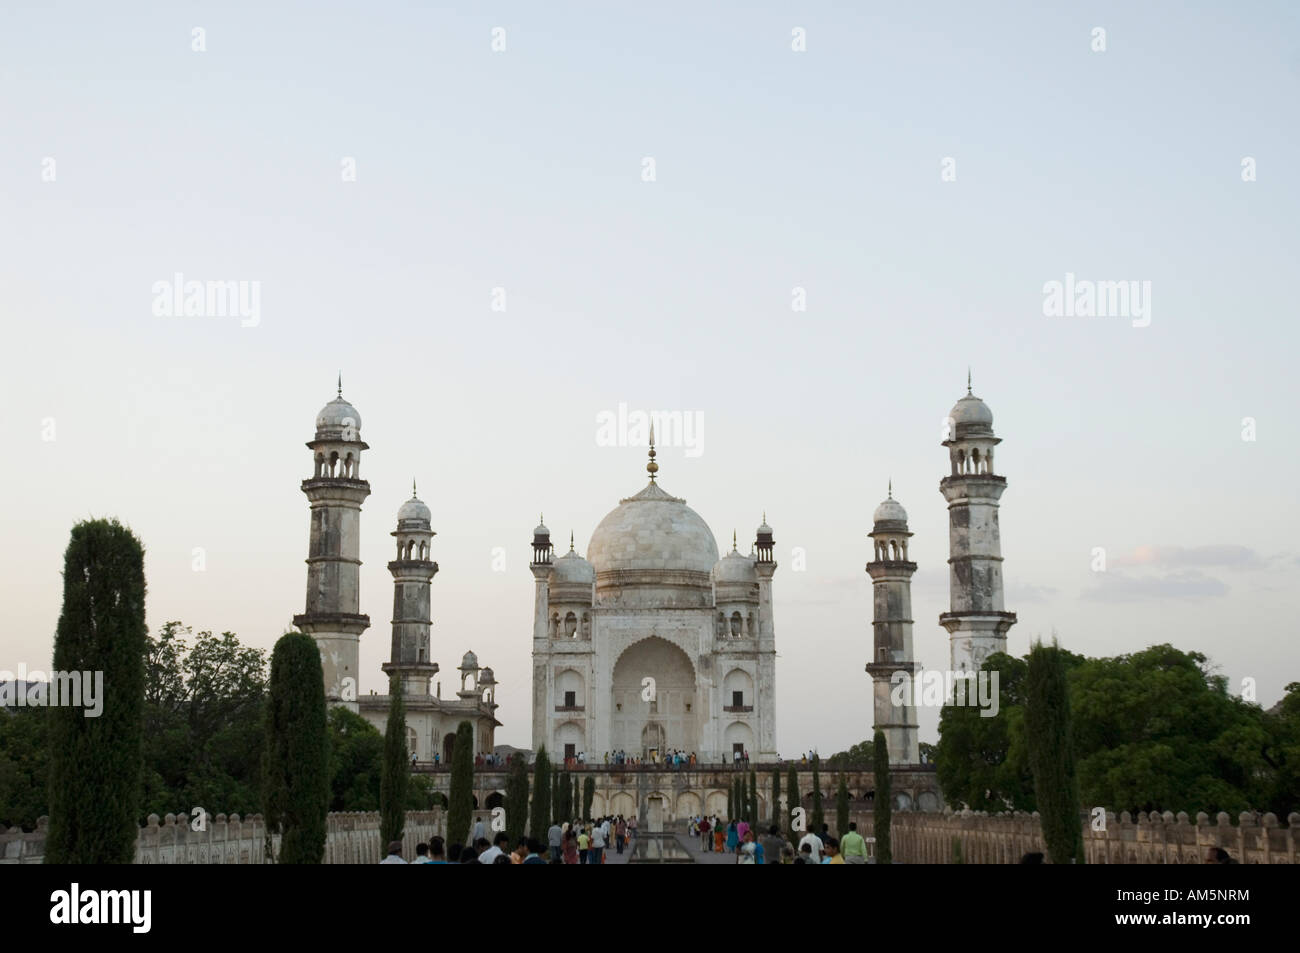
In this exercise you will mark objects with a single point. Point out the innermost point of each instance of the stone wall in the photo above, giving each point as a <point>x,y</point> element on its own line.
<point>918,838</point>
<point>351,838</point>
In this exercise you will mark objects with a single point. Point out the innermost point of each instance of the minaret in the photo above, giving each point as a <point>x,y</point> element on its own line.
<point>336,492</point>
<point>541,569</point>
<point>977,623</point>
<point>765,566</point>
<point>411,658</point>
<point>891,581</point>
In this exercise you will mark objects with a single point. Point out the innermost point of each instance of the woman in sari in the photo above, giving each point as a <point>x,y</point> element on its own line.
<point>732,838</point>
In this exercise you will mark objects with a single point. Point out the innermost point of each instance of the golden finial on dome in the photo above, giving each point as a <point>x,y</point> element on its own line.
<point>570,540</point>
<point>968,393</point>
<point>652,468</point>
<point>340,383</point>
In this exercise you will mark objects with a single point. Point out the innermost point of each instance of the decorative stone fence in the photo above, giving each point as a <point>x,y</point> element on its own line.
<point>350,838</point>
<point>981,838</point>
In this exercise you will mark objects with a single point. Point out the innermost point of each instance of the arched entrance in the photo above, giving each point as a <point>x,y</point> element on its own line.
<point>448,743</point>
<point>654,703</point>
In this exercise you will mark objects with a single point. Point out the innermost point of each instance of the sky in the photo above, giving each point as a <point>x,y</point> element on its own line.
<point>848,206</point>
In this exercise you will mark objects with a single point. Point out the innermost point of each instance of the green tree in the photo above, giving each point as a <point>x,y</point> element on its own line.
<point>24,766</point>
<point>1051,755</point>
<point>818,818</point>
<point>883,806</point>
<point>731,800</point>
<point>842,808</point>
<point>96,762</point>
<point>752,814</point>
<point>356,761</point>
<point>576,800</point>
<point>982,762</point>
<point>204,712</point>
<point>295,762</point>
<point>539,819</point>
<point>460,809</point>
<point>588,795</point>
<point>776,796</point>
<point>860,754</point>
<point>396,774</point>
<point>794,802</point>
<point>517,798</point>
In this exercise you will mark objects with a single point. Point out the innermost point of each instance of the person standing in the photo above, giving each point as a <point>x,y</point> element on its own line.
<point>555,840</point>
<point>773,845</point>
<point>584,846</point>
<point>733,837</point>
<point>748,850</point>
<point>480,832</point>
<point>597,845</point>
<point>814,845</point>
<point>394,853</point>
<point>620,833</point>
<point>853,848</point>
<point>706,833</point>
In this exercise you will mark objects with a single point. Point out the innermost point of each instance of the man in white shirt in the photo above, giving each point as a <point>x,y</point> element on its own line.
<point>394,854</point>
<point>480,832</point>
<point>597,844</point>
<point>496,850</point>
<point>816,843</point>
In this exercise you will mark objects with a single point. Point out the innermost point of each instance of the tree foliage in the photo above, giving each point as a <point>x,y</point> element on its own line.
<point>96,762</point>
<point>842,808</point>
<point>396,774</point>
<point>204,709</point>
<point>588,795</point>
<point>295,762</point>
<point>883,805</point>
<point>794,802</point>
<point>818,816</point>
<point>517,798</point>
<point>356,759</point>
<point>460,810</point>
<point>1051,754</point>
<point>776,796</point>
<point>1155,730</point>
<point>540,817</point>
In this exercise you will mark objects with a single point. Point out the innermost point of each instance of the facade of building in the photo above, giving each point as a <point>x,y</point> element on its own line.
<point>333,617</point>
<point>652,643</point>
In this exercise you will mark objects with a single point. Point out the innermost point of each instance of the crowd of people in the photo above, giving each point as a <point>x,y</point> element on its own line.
<point>567,843</point>
<point>752,846</point>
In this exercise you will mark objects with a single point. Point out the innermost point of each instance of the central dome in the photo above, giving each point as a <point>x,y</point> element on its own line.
<point>653,532</point>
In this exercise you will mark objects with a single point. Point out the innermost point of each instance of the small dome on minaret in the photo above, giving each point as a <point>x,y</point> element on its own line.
<point>338,418</point>
<point>890,511</point>
<point>970,415</point>
<point>414,510</point>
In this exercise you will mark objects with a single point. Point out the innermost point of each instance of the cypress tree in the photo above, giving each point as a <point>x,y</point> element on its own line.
<point>731,800</point>
<point>1051,754</point>
<point>96,763</point>
<point>517,799</point>
<point>793,802</point>
<point>395,774</point>
<point>539,817</point>
<point>842,808</point>
<point>576,801</point>
<point>564,805</point>
<point>776,796</point>
<point>295,761</point>
<point>555,797</point>
<point>753,799</point>
<point>588,795</point>
<point>818,818</point>
<point>460,807</point>
<point>884,806</point>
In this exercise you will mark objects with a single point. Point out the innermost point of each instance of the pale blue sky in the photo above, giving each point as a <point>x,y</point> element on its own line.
<point>776,169</point>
